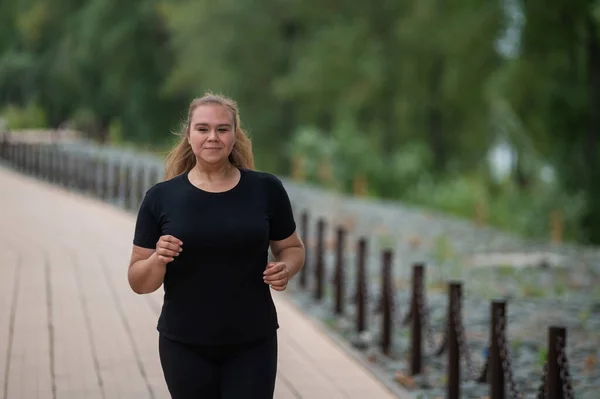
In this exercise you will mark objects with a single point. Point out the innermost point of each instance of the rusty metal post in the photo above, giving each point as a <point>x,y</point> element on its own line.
<point>387,302</point>
<point>105,179</point>
<point>4,146</point>
<point>554,381</point>
<point>35,161</point>
<point>32,159</point>
<point>304,231</point>
<point>53,161</point>
<point>94,186</point>
<point>339,271</point>
<point>57,166</point>
<point>320,267</point>
<point>141,183</point>
<point>126,170</point>
<point>361,286</point>
<point>19,159</point>
<point>43,156</point>
<point>15,155</point>
<point>496,372</point>
<point>69,169</point>
<point>26,158</point>
<point>416,347</point>
<point>116,182</point>
<point>453,386</point>
<point>84,165</point>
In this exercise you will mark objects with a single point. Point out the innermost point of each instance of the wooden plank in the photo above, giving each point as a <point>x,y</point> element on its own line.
<point>30,372</point>
<point>9,269</point>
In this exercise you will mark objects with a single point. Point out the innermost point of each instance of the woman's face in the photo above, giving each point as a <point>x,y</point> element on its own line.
<point>211,133</point>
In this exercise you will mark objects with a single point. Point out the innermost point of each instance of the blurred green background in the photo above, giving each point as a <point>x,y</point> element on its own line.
<point>484,109</point>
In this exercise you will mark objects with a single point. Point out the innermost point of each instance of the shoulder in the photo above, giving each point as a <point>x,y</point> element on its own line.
<point>266,179</point>
<point>162,189</point>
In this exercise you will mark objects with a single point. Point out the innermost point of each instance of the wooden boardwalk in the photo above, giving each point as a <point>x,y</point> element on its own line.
<point>70,327</point>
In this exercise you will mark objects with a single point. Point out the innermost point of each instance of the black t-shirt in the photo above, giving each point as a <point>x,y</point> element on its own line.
<point>214,289</point>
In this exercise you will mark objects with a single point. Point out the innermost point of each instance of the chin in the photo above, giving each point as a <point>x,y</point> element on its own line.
<point>214,160</point>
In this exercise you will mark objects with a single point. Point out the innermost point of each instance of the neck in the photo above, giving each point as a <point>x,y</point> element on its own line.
<point>212,172</point>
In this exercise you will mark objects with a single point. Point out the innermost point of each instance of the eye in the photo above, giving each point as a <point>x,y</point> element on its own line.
<point>223,129</point>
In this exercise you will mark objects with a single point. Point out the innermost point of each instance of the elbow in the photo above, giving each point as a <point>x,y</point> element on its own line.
<point>136,287</point>
<point>141,290</point>
<point>139,286</point>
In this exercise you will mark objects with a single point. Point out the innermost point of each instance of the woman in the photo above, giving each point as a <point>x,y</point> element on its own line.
<point>204,233</point>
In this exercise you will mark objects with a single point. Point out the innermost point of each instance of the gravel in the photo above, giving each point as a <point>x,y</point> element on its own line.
<point>543,285</point>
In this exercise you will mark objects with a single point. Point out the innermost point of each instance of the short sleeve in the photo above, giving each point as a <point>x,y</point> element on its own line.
<point>282,220</point>
<point>147,228</point>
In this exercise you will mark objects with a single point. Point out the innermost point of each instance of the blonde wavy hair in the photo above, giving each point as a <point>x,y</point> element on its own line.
<point>181,159</point>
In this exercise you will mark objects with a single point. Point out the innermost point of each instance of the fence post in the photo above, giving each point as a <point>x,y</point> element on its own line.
<point>27,158</point>
<point>43,161</point>
<point>453,371</point>
<point>105,179</point>
<point>304,232</point>
<point>387,301</point>
<point>51,158</point>
<point>15,155</point>
<point>339,271</point>
<point>19,159</point>
<point>23,157</point>
<point>320,269</point>
<point>554,381</point>
<point>55,165</point>
<point>361,286</point>
<point>4,146</point>
<point>116,181</point>
<point>70,169</point>
<point>31,169</point>
<point>126,191</point>
<point>36,159</point>
<point>416,346</point>
<point>496,372</point>
<point>94,181</point>
<point>140,186</point>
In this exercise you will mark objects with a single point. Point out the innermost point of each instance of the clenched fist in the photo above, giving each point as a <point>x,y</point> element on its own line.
<point>277,275</point>
<point>167,248</point>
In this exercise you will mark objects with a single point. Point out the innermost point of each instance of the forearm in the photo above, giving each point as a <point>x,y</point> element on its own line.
<point>293,257</point>
<point>146,275</point>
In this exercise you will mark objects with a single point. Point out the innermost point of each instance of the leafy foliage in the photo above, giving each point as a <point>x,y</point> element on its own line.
<point>409,96</point>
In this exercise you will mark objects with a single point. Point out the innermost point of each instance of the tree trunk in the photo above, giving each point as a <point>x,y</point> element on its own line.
<point>435,118</point>
<point>590,151</point>
<point>593,52</point>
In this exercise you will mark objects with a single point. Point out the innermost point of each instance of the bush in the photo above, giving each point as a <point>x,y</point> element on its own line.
<point>405,176</point>
<point>30,117</point>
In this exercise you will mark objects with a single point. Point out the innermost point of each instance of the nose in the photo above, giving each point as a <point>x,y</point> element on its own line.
<point>213,135</point>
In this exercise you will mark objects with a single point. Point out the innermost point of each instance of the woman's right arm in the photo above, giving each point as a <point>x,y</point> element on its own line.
<point>147,266</point>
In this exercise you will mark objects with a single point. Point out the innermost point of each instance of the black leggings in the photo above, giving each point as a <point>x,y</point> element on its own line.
<point>240,371</point>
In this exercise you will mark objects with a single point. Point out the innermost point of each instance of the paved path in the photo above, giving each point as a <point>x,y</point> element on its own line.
<point>70,327</point>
